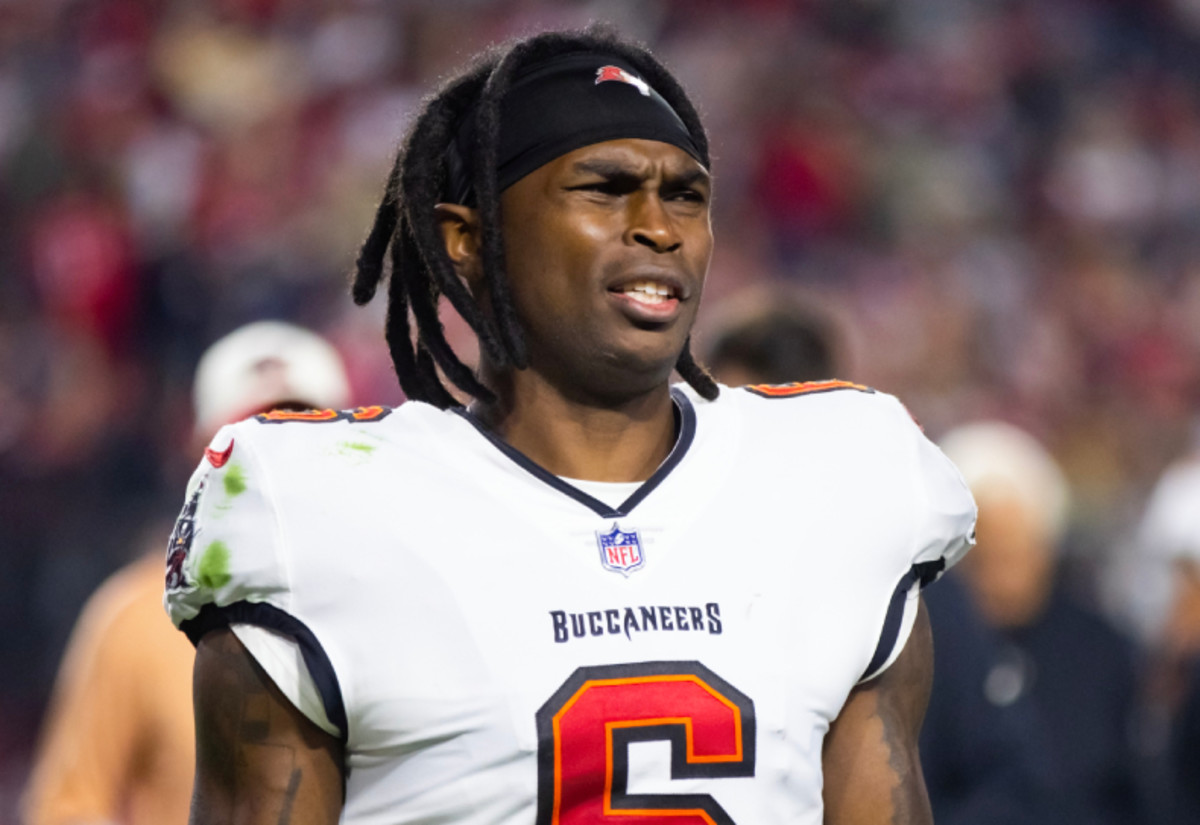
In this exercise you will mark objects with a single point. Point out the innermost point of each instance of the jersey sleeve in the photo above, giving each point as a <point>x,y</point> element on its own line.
<point>227,566</point>
<point>943,530</point>
<point>225,547</point>
<point>946,524</point>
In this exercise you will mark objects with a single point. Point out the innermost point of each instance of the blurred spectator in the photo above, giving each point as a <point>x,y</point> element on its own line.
<point>118,744</point>
<point>1077,671</point>
<point>771,336</point>
<point>978,749</point>
<point>1169,541</point>
<point>1185,752</point>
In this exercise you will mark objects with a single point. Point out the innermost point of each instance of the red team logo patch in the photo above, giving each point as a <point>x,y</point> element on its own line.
<point>620,550</point>
<point>605,73</point>
<point>218,459</point>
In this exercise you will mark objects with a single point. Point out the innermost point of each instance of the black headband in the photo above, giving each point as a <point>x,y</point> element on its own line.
<point>561,104</point>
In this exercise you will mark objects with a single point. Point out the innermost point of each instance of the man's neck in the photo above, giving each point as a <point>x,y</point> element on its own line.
<point>623,440</point>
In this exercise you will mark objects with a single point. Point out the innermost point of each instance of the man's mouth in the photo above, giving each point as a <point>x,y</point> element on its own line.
<point>648,292</point>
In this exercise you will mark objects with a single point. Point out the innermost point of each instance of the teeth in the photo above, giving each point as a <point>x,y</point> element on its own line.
<point>647,292</point>
<point>646,297</point>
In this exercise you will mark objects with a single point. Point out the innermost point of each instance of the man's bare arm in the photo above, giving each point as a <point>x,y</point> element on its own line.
<point>259,761</point>
<point>871,764</point>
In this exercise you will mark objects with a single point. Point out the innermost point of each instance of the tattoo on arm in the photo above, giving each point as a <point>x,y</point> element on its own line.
<point>258,760</point>
<point>871,761</point>
<point>904,698</point>
<point>289,798</point>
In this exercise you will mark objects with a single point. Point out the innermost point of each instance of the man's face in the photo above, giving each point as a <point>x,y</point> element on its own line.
<point>607,248</point>
<point>1011,569</point>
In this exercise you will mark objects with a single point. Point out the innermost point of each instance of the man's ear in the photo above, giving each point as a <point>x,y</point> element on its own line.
<point>460,233</point>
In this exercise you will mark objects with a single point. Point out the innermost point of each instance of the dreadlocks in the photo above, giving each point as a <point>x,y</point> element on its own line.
<point>405,225</point>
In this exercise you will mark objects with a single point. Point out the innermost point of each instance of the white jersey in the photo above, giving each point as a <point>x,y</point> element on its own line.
<point>498,647</point>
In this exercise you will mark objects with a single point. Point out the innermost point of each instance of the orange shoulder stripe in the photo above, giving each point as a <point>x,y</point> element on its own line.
<point>372,413</point>
<point>803,388</point>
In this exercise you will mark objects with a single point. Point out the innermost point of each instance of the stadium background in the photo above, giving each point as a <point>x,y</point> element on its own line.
<point>998,200</point>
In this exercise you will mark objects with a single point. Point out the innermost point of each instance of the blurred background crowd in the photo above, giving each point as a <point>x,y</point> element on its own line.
<point>996,201</point>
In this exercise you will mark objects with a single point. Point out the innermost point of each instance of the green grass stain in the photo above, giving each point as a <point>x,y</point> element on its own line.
<point>358,446</point>
<point>212,572</point>
<point>235,480</point>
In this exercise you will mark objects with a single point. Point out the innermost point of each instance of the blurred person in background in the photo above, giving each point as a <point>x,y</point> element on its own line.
<point>770,335</point>
<point>1169,538</point>
<point>1185,750</point>
<point>1078,672</point>
<point>980,765</point>
<point>118,744</point>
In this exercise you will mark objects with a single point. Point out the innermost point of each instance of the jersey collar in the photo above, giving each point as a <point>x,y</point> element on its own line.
<point>685,417</point>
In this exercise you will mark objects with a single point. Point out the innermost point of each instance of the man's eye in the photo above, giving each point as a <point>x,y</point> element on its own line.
<point>610,185</point>
<point>597,187</point>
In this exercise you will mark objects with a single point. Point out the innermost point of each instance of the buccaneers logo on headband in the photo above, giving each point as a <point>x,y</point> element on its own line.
<point>616,73</point>
<point>541,119</point>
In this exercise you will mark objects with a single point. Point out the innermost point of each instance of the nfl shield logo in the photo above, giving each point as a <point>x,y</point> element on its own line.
<point>620,550</point>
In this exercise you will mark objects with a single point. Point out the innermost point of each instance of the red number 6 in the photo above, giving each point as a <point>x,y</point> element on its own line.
<point>584,732</point>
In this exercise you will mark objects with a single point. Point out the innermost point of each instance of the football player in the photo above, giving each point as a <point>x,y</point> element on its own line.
<point>588,596</point>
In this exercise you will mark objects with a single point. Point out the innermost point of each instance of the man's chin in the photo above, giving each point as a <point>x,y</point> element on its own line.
<point>632,372</point>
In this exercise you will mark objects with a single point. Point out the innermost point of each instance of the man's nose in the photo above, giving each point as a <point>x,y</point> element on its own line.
<point>650,225</point>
